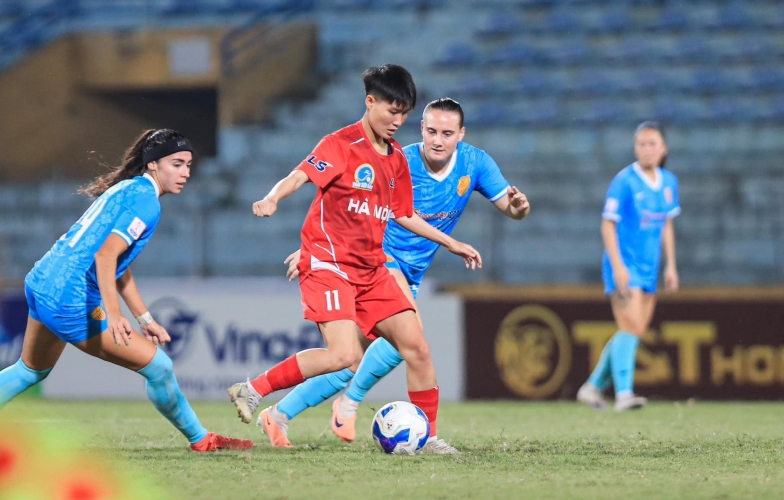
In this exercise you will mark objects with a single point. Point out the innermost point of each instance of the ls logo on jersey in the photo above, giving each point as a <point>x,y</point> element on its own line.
<point>320,165</point>
<point>463,184</point>
<point>136,228</point>
<point>364,177</point>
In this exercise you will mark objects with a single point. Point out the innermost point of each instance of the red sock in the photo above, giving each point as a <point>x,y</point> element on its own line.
<point>281,376</point>
<point>427,401</point>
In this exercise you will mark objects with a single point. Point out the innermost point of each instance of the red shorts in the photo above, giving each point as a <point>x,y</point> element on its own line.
<point>326,296</point>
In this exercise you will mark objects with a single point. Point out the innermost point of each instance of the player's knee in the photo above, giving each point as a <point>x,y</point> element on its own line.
<point>160,366</point>
<point>418,352</point>
<point>346,358</point>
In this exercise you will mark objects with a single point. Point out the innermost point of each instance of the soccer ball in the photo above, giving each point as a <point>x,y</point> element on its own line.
<point>400,428</point>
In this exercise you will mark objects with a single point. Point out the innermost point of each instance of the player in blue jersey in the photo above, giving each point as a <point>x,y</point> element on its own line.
<point>444,172</point>
<point>72,291</point>
<point>637,225</point>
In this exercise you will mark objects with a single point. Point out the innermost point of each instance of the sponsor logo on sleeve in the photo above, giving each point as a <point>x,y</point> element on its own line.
<point>136,228</point>
<point>319,165</point>
<point>611,205</point>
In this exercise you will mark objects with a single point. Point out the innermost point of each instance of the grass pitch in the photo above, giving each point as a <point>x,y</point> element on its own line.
<point>510,450</point>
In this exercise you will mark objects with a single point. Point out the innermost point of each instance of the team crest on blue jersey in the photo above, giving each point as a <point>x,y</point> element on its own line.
<point>364,177</point>
<point>668,194</point>
<point>463,185</point>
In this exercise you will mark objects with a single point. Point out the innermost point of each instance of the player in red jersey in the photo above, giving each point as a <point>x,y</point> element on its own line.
<point>363,180</point>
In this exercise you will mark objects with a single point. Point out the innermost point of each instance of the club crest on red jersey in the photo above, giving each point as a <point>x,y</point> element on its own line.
<point>364,177</point>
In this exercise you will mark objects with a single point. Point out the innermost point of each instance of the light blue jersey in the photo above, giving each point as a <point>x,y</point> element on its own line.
<point>440,200</point>
<point>64,280</point>
<point>640,207</point>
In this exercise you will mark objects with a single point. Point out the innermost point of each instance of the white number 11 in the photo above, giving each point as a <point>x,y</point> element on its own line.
<point>330,294</point>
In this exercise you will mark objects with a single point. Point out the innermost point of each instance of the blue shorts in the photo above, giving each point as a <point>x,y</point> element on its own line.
<point>413,277</point>
<point>72,324</point>
<point>645,283</point>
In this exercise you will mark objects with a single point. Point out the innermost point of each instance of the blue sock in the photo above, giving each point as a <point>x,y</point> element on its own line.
<point>17,378</point>
<point>314,391</point>
<point>380,359</point>
<point>601,375</point>
<point>166,397</point>
<point>622,360</point>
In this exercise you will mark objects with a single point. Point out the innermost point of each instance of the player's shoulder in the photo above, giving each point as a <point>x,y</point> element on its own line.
<point>625,174</point>
<point>669,177</point>
<point>348,135</point>
<point>142,191</point>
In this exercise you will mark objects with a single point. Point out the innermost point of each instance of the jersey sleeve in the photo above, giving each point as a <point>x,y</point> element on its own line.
<point>616,199</point>
<point>490,181</point>
<point>675,204</point>
<point>326,163</point>
<point>403,198</point>
<point>139,213</point>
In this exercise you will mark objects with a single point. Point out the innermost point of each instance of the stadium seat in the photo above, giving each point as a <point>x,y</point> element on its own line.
<point>500,24</point>
<point>569,53</point>
<point>459,54</point>
<point>671,19</point>
<point>514,54</point>
<point>560,21</point>
<point>476,84</point>
<point>707,81</point>
<point>731,17</point>
<point>487,115</point>
<point>542,114</point>
<point>766,79</point>
<point>724,110</point>
<point>691,49</point>
<point>614,21</point>
<point>536,83</point>
<point>591,82</point>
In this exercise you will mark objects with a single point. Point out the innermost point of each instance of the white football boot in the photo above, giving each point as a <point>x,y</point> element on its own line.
<point>592,396</point>
<point>246,399</point>
<point>629,401</point>
<point>439,447</point>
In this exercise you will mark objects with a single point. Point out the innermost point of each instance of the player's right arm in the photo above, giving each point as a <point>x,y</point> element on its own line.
<point>283,189</point>
<point>106,271</point>
<point>613,205</point>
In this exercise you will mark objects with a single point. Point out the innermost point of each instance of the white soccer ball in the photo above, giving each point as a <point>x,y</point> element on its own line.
<point>400,428</point>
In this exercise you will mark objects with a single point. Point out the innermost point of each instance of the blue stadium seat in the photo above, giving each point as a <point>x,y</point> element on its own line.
<point>691,49</point>
<point>592,82</point>
<point>543,114</point>
<point>671,19</point>
<point>731,17</point>
<point>476,84</point>
<point>560,21</point>
<point>749,48</point>
<point>614,21</point>
<point>515,54</point>
<point>570,53</point>
<point>726,110</point>
<point>602,113</point>
<point>536,83</point>
<point>653,81</point>
<point>487,115</point>
<point>772,111</point>
<point>459,54</point>
<point>775,21</point>
<point>500,24</point>
<point>708,81</point>
<point>628,52</point>
<point>766,79</point>
<point>11,8</point>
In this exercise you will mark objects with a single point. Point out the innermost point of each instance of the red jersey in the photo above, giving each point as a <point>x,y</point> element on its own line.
<point>359,190</point>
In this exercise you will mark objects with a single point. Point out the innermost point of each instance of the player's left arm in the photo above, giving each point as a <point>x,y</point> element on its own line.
<point>671,278</point>
<point>514,205</point>
<point>152,331</point>
<point>416,225</point>
<point>492,185</point>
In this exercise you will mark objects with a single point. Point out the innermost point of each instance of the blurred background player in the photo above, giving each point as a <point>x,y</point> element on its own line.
<point>72,291</point>
<point>363,180</point>
<point>641,203</point>
<point>444,171</point>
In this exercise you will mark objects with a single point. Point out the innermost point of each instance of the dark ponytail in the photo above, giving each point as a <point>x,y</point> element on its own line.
<point>132,164</point>
<point>652,125</point>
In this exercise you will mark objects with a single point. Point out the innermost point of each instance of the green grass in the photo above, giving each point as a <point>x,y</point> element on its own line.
<point>510,450</point>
